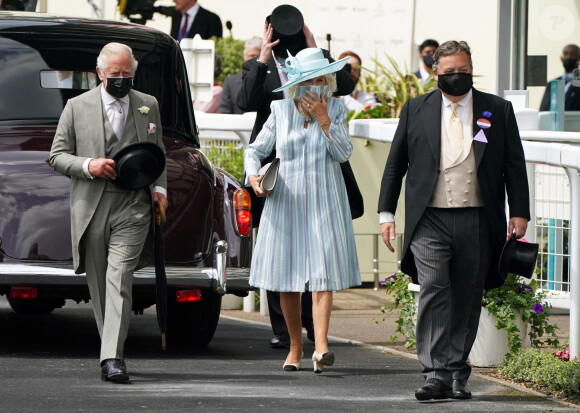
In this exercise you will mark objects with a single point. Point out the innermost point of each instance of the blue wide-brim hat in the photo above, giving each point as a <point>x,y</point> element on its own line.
<point>308,64</point>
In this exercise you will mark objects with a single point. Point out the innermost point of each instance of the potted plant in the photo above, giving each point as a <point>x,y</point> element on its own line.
<point>516,302</point>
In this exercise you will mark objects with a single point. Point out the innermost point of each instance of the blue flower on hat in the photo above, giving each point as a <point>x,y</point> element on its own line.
<point>293,68</point>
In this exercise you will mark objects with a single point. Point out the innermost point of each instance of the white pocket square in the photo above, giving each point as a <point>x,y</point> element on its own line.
<point>152,128</point>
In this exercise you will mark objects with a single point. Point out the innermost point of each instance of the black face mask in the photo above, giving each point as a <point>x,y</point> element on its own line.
<point>569,64</point>
<point>455,84</point>
<point>119,87</point>
<point>428,60</point>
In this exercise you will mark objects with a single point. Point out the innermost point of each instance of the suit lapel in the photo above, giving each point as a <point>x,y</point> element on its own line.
<point>140,119</point>
<point>479,103</point>
<point>95,105</point>
<point>431,117</point>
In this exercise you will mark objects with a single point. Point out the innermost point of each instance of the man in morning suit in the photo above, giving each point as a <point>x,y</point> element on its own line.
<point>191,19</point>
<point>112,231</point>
<point>570,57</point>
<point>284,32</point>
<point>460,150</point>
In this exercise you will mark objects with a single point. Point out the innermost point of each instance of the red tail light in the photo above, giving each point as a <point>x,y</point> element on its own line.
<point>243,208</point>
<point>23,293</point>
<point>188,296</point>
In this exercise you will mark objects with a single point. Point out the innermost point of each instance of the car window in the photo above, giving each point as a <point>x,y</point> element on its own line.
<point>31,63</point>
<point>67,79</point>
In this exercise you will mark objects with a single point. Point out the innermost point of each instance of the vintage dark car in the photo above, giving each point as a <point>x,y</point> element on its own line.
<point>45,60</point>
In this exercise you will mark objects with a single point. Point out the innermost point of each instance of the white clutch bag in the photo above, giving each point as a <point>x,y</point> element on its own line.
<point>270,172</point>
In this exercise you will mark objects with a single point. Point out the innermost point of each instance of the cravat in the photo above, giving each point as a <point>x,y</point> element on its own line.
<point>455,130</point>
<point>183,31</point>
<point>118,119</point>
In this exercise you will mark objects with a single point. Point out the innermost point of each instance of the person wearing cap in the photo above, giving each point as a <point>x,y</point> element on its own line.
<point>111,226</point>
<point>284,31</point>
<point>460,151</point>
<point>191,19</point>
<point>426,50</point>
<point>306,238</point>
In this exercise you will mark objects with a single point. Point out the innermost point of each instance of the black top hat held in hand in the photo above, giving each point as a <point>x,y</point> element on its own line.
<point>518,258</point>
<point>138,165</point>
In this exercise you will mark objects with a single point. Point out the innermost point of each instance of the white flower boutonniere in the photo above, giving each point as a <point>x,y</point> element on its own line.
<point>144,110</point>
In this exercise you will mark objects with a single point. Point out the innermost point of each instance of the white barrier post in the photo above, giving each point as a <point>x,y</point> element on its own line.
<point>250,302</point>
<point>574,262</point>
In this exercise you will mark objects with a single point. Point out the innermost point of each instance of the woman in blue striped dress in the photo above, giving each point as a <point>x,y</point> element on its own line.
<point>306,239</point>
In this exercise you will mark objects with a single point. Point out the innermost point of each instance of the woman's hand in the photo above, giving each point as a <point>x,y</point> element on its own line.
<point>311,105</point>
<point>267,44</point>
<point>255,184</point>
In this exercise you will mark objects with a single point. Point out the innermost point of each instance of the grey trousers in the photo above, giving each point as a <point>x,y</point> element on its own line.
<point>114,240</point>
<point>452,253</point>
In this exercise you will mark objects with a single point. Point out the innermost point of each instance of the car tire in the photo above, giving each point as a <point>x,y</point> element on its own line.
<point>193,324</point>
<point>34,307</point>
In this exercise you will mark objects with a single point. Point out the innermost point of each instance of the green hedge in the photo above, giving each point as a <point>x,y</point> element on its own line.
<point>543,370</point>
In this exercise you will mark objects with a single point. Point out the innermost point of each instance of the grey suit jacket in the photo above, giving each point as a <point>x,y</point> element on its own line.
<point>80,135</point>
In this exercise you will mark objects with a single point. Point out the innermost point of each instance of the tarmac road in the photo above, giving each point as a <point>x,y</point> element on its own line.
<point>50,364</point>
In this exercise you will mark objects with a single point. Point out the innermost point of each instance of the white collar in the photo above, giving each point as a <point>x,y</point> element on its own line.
<point>424,74</point>
<point>109,100</point>
<point>463,102</point>
<point>193,10</point>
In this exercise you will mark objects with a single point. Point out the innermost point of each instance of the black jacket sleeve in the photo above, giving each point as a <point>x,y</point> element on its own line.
<point>252,92</point>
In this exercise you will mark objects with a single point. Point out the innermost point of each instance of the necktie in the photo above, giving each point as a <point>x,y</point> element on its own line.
<point>183,31</point>
<point>118,120</point>
<point>455,130</point>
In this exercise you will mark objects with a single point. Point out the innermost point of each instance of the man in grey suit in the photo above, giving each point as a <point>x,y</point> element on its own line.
<point>461,151</point>
<point>112,231</point>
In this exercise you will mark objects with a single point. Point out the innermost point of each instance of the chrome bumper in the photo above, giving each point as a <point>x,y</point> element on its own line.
<point>202,277</point>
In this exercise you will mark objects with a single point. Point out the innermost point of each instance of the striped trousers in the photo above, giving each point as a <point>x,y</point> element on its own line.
<point>452,253</point>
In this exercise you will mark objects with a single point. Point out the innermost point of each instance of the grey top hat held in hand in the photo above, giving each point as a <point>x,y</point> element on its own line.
<point>138,165</point>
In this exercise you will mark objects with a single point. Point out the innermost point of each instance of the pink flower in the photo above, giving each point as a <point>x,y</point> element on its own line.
<point>367,107</point>
<point>367,116</point>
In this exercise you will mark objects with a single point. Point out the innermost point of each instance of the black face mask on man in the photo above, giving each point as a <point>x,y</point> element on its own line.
<point>119,87</point>
<point>428,60</point>
<point>569,64</point>
<point>455,84</point>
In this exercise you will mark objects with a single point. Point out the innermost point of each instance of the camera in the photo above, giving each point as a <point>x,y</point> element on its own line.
<point>139,11</point>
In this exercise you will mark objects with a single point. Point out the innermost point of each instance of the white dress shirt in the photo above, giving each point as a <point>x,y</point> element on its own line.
<point>109,105</point>
<point>191,13</point>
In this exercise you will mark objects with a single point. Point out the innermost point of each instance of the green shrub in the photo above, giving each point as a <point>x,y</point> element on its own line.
<point>229,157</point>
<point>231,53</point>
<point>543,370</point>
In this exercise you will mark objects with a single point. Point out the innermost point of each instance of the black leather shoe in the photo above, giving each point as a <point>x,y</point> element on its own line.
<point>114,370</point>
<point>280,342</point>
<point>460,390</point>
<point>433,389</point>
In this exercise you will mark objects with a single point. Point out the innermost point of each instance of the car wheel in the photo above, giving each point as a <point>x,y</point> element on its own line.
<point>34,307</point>
<point>193,323</point>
